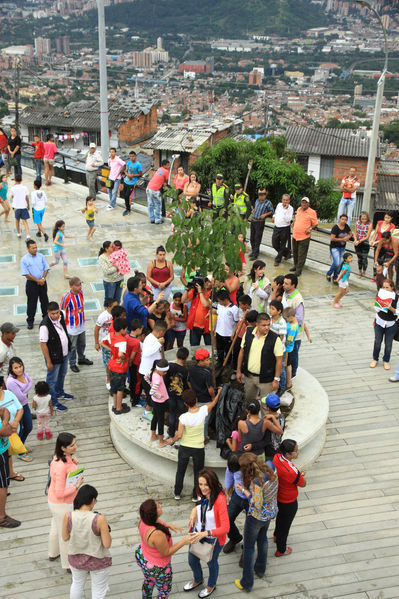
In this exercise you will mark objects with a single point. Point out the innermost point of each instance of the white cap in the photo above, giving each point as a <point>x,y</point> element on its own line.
<point>93,145</point>
<point>305,199</point>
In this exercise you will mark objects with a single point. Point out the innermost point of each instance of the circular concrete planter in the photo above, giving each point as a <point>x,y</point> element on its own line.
<point>306,424</point>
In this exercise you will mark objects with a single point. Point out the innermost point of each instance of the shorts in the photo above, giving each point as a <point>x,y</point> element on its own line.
<point>4,470</point>
<point>343,284</point>
<point>49,161</point>
<point>37,216</point>
<point>117,381</point>
<point>21,213</point>
<point>90,223</point>
<point>106,355</point>
<point>289,359</point>
<point>179,335</point>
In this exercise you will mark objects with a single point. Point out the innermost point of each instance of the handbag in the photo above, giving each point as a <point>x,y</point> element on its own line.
<point>109,184</point>
<point>204,548</point>
<point>16,445</point>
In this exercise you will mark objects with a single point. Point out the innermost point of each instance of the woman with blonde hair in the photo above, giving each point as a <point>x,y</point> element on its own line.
<point>260,485</point>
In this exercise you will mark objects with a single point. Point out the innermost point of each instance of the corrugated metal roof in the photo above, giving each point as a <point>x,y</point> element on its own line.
<point>388,192</point>
<point>328,142</point>
<point>81,115</point>
<point>189,136</point>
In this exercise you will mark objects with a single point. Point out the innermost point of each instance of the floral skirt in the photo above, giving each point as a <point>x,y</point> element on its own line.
<point>154,576</point>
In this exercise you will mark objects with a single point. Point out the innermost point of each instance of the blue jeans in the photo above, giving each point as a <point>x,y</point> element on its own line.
<point>55,379</point>
<point>154,203</point>
<point>113,193</point>
<point>195,564</point>
<point>113,291</point>
<point>379,334</point>
<point>38,167</point>
<point>295,356</point>
<point>346,206</point>
<point>195,336</point>
<point>283,376</point>
<point>336,255</point>
<point>25,424</point>
<point>235,507</point>
<point>255,531</point>
<point>17,167</point>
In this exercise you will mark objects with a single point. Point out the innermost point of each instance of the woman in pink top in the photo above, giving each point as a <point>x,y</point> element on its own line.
<point>159,396</point>
<point>60,497</point>
<point>50,150</point>
<point>181,179</point>
<point>156,548</point>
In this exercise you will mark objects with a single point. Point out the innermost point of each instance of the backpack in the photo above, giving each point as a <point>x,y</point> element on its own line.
<point>273,440</point>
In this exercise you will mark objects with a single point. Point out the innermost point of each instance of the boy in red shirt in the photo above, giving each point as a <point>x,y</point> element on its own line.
<point>136,335</point>
<point>38,156</point>
<point>121,357</point>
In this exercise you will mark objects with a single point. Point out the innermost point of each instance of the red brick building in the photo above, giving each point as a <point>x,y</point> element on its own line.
<point>197,66</point>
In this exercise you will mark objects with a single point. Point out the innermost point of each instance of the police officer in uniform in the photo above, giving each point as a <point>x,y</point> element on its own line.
<point>219,196</point>
<point>241,201</point>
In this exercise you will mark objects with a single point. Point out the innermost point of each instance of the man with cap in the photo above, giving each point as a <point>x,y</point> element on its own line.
<point>303,225</point>
<point>8,333</point>
<point>34,268</point>
<point>269,407</point>
<point>241,201</point>
<point>219,196</point>
<point>263,208</point>
<point>260,359</point>
<point>93,162</point>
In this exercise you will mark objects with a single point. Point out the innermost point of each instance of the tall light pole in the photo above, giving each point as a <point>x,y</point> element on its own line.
<point>376,120</point>
<point>102,61</point>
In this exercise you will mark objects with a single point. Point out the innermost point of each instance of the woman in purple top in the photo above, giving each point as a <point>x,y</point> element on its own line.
<point>19,383</point>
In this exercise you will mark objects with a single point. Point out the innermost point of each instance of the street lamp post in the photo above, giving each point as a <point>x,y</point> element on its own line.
<point>376,120</point>
<point>102,60</point>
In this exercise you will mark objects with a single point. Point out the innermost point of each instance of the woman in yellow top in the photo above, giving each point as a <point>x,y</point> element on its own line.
<point>91,210</point>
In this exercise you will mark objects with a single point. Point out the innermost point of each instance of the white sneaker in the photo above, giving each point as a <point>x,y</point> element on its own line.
<point>28,237</point>
<point>108,385</point>
<point>177,497</point>
<point>109,207</point>
<point>18,234</point>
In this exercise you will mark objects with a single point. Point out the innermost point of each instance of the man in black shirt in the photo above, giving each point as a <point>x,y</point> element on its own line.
<point>176,382</point>
<point>200,381</point>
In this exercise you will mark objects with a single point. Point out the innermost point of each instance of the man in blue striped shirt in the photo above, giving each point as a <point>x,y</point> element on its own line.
<point>263,208</point>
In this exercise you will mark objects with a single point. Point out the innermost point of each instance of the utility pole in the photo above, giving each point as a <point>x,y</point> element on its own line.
<point>376,120</point>
<point>17,67</point>
<point>102,59</point>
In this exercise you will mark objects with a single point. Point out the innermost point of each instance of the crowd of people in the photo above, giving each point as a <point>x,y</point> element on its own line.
<point>256,326</point>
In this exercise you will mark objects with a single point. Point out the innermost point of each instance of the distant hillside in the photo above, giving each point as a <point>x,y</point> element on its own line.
<point>219,18</point>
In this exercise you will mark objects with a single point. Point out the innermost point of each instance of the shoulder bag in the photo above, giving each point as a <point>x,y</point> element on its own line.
<point>205,547</point>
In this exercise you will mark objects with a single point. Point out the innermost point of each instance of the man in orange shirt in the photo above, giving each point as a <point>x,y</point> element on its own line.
<point>305,221</point>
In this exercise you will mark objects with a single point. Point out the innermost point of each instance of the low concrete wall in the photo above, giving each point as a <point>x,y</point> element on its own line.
<point>306,424</point>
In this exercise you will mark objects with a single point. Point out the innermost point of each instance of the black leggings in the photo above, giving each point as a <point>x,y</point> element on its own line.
<point>158,418</point>
<point>285,516</point>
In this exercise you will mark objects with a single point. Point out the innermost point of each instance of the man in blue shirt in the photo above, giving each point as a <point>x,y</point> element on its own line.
<point>132,304</point>
<point>133,171</point>
<point>263,208</point>
<point>35,268</point>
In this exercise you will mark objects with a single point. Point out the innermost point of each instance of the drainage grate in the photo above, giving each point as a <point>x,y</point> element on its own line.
<point>45,251</point>
<point>20,309</point>
<point>97,286</point>
<point>7,258</point>
<point>8,291</point>
<point>87,261</point>
<point>177,289</point>
<point>134,265</point>
<point>92,305</point>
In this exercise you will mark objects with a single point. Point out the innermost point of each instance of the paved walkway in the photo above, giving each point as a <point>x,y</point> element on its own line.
<point>344,537</point>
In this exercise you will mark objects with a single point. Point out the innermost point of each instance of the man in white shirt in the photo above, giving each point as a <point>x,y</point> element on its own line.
<point>93,162</point>
<point>20,203</point>
<point>281,239</point>
<point>226,322</point>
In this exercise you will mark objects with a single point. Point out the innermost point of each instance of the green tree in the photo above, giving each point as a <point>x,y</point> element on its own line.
<point>391,131</point>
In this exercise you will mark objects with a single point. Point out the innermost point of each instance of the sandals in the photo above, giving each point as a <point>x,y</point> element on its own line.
<point>18,477</point>
<point>9,522</point>
<point>25,457</point>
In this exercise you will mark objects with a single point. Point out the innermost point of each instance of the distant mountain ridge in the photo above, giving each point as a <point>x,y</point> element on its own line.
<point>219,18</point>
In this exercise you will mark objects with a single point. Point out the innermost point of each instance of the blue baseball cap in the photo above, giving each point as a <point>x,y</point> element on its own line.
<point>272,400</point>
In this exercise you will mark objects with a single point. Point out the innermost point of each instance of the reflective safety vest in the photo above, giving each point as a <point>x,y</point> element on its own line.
<point>218,194</point>
<point>240,202</point>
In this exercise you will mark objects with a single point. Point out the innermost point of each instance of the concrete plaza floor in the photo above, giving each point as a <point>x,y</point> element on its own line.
<point>344,537</point>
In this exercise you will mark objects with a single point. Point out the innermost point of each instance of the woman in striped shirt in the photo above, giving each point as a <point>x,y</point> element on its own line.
<point>362,246</point>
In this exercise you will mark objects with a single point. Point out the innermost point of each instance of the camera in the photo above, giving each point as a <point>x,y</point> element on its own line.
<point>197,280</point>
